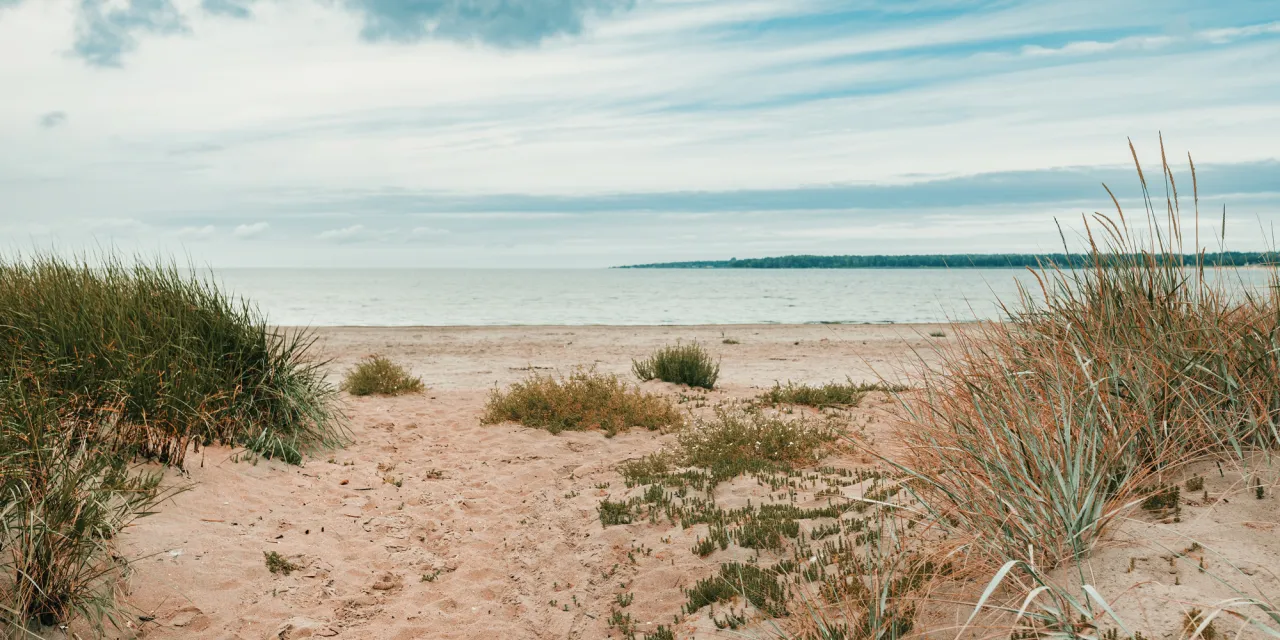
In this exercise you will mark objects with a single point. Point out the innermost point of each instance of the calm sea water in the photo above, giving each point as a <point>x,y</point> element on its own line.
<point>450,297</point>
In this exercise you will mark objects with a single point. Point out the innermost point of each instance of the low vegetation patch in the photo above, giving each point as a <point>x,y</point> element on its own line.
<point>849,551</point>
<point>277,563</point>
<point>687,364</point>
<point>586,400</point>
<point>831,394</point>
<point>376,375</point>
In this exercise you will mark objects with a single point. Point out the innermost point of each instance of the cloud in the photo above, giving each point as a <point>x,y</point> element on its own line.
<point>428,232</point>
<point>196,232</point>
<point>229,8</point>
<point>113,225</point>
<point>502,23</point>
<point>53,119</point>
<point>254,230</point>
<point>352,233</point>
<point>104,35</point>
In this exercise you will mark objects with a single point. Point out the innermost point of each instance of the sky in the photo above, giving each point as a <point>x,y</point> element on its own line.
<point>591,133</point>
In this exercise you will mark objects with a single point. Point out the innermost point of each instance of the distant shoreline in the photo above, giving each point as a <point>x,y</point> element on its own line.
<point>950,261</point>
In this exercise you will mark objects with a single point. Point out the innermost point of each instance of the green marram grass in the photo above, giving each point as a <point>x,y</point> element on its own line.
<point>65,494</point>
<point>376,375</point>
<point>687,364</point>
<point>181,362</point>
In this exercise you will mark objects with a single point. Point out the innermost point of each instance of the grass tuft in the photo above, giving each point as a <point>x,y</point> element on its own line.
<point>687,364</point>
<point>376,375</point>
<point>65,494</point>
<point>277,563</point>
<point>831,394</point>
<point>586,400</point>
<point>181,362</point>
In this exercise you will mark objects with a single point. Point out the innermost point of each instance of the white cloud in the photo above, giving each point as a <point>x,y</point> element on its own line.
<point>250,230</point>
<point>428,232</point>
<point>346,234</point>
<point>196,232</point>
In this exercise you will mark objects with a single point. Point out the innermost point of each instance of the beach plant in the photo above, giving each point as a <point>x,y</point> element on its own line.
<point>179,360</point>
<point>586,400</point>
<point>377,375</point>
<point>687,364</point>
<point>1038,432</point>
<point>831,394</point>
<point>65,494</point>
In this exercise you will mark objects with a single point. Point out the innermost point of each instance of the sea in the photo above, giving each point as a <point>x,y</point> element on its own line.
<point>463,297</point>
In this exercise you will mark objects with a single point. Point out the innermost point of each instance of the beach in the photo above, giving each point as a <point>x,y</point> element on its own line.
<point>488,523</point>
<point>429,524</point>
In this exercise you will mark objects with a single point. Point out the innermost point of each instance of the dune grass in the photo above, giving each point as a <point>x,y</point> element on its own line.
<point>65,493</point>
<point>182,362</point>
<point>831,394</point>
<point>376,375</point>
<point>586,400</point>
<point>687,364</point>
<point>102,363</point>
<point>1038,433</point>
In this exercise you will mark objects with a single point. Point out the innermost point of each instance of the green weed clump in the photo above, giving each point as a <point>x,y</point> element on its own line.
<point>586,400</point>
<point>277,563</point>
<point>380,376</point>
<point>687,364</point>
<point>831,394</point>
<point>181,362</point>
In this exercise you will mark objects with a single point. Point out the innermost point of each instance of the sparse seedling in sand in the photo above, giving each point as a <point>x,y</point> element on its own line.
<point>1163,499</point>
<point>277,563</point>
<point>687,364</point>
<point>376,375</point>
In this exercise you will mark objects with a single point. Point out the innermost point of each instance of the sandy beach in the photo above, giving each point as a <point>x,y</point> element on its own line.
<point>432,525</point>
<point>500,519</point>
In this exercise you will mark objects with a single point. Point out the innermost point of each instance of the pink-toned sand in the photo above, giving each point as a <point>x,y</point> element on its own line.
<point>431,525</point>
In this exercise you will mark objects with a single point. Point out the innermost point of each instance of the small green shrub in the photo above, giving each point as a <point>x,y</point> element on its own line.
<point>277,563</point>
<point>380,376</point>
<point>687,364</point>
<point>585,400</point>
<point>831,394</point>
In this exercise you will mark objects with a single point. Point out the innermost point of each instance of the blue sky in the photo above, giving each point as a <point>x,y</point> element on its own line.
<point>565,133</point>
